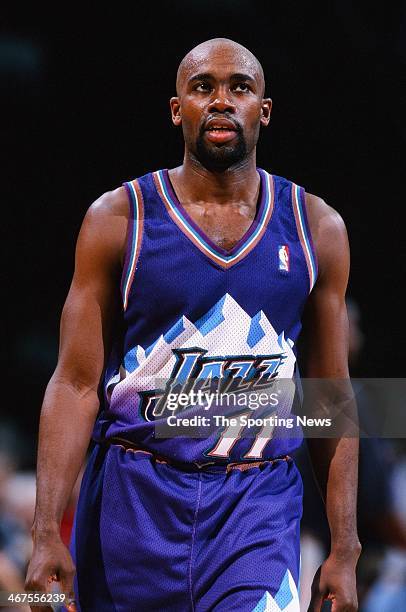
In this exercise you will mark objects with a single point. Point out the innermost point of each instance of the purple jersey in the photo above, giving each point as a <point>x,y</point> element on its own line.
<point>193,311</point>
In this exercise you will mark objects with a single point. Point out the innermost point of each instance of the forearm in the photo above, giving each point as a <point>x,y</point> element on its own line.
<point>335,463</point>
<point>67,418</point>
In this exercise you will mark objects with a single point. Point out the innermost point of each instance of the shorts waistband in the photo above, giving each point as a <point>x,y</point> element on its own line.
<point>194,466</point>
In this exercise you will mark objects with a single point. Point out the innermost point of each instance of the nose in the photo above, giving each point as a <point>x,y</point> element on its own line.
<point>220,103</point>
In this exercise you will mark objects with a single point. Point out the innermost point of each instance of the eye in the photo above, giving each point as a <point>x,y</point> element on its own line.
<point>202,86</point>
<point>241,87</point>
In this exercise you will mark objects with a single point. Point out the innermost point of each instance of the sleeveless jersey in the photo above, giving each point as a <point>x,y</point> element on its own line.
<point>193,311</point>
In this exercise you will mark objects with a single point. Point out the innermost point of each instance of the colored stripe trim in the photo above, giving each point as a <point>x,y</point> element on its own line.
<point>220,256</point>
<point>304,233</point>
<point>137,222</point>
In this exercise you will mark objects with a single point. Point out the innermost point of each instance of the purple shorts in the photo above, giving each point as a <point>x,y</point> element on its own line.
<point>150,537</point>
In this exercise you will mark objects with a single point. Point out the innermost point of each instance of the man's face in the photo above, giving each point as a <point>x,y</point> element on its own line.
<point>220,106</point>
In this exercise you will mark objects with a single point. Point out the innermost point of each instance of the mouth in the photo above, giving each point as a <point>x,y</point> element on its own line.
<point>220,131</point>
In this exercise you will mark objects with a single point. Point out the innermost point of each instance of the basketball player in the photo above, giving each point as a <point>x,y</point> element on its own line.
<point>198,272</point>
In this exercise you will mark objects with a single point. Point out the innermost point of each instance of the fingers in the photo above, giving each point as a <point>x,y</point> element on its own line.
<point>316,603</point>
<point>319,603</point>
<point>334,588</point>
<point>344,604</point>
<point>66,580</point>
<point>40,580</point>
<point>317,594</point>
<point>71,606</point>
<point>37,582</point>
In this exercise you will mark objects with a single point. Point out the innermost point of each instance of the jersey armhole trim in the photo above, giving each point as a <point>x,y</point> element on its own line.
<point>135,232</point>
<point>303,229</point>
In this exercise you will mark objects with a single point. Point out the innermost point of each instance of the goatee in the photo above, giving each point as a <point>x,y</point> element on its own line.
<point>220,158</point>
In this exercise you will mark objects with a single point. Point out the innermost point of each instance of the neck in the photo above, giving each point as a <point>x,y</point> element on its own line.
<point>195,183</point>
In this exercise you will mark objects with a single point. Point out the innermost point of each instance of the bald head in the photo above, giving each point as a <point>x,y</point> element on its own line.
<point>218,49</point>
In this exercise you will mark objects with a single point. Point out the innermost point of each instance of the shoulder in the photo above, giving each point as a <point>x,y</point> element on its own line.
<point>322,217</point>
<point>324,221</point>
<point>109,206</point>
<point>328,232</point>
<point>106,223</point>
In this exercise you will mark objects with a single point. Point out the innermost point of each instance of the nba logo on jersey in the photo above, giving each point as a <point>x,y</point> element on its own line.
<point>284,258</point>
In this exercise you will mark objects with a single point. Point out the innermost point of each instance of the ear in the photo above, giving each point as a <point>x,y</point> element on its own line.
<point>266,108</point>
<point>174,103</point>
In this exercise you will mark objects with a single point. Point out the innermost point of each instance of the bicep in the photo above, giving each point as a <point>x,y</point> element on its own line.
<point>92,303</point>
<point>85,331</point>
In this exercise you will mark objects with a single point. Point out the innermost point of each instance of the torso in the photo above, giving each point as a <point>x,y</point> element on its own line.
<point>183,292</point>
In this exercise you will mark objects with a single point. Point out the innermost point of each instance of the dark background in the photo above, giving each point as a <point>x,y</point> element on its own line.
<point>85,107</point>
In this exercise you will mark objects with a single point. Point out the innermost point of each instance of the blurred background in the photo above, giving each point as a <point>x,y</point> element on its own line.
<point>85,107</point>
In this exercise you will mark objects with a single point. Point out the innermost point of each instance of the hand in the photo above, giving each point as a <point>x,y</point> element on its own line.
<point>335,581</point>
<point>50,561</point>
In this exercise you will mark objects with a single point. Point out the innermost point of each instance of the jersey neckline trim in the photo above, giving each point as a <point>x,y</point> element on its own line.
<point>245,245</point>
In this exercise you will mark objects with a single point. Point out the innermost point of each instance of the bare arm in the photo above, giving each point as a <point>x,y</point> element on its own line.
<point>71,399</point>
<point>335,461</point>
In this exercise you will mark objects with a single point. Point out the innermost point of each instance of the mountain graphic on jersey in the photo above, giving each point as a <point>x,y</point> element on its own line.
<point>225,341</point>
<point>285,600</point>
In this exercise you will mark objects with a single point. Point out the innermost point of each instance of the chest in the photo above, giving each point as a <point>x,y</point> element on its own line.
<point>178,287</point>
<point>224,225</point>
<point>177,274</point>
